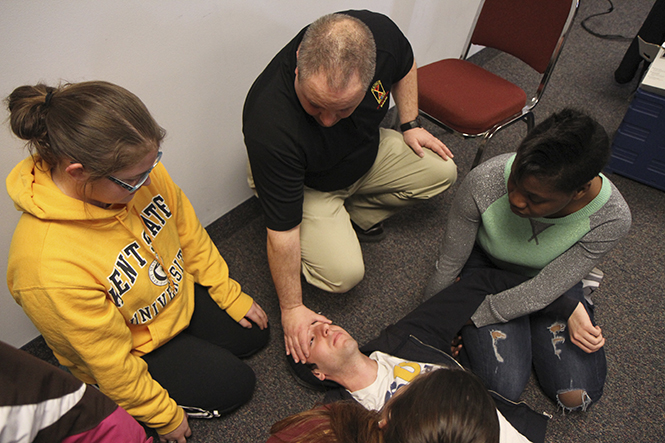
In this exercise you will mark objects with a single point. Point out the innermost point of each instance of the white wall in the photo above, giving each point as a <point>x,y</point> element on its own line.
<point>191,62</point>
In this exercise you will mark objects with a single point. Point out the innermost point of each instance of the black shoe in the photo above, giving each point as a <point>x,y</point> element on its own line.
<point>304,377</point>
<point>373,234</point>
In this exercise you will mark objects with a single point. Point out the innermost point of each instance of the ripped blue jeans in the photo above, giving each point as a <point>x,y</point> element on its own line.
<point>503,354</point>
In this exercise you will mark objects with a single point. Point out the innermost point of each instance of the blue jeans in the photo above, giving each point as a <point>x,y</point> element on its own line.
<point>503,354</point>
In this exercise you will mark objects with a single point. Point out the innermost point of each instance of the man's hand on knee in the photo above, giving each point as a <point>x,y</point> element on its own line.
<point>419,138</point>
<point>296,322</point>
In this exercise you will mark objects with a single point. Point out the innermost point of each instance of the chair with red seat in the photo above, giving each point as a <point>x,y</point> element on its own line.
<point>468,100</point>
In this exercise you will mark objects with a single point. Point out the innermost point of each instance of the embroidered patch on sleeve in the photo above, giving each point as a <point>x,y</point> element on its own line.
<point>379,93</point>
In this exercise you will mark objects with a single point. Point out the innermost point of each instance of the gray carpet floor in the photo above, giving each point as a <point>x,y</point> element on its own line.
<point>629,302</point>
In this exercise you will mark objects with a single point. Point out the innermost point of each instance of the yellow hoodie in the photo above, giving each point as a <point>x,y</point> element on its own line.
<point>105,286</point>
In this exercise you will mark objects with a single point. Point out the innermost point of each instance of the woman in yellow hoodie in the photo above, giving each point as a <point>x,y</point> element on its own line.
<point>112,265</point>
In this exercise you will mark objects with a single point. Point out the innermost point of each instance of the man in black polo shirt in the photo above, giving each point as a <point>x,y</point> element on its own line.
<point>324,172</point>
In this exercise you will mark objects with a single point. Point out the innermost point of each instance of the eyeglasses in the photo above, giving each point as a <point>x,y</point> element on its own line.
<point>140,181</point>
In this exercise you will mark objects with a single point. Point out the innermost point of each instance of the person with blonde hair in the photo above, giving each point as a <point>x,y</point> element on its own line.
<point>113,267</point>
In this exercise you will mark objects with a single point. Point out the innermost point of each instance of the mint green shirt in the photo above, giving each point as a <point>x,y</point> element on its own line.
<point>556,252</point>
<point>527,245</point>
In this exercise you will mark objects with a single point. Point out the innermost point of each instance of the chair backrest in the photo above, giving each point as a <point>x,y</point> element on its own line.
<point>531,30</point>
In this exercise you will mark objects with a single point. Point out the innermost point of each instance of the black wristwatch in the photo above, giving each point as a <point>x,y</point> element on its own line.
<point>410,125</point>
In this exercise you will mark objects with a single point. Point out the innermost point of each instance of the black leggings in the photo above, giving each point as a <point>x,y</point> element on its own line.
<point>201,366</point>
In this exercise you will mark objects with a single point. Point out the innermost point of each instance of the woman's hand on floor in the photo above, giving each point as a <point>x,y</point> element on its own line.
<point>257,315</point>
<point>179,434</point>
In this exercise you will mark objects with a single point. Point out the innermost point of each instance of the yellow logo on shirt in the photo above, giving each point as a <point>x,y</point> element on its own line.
<point>379,93</point>
<point>407,371</point>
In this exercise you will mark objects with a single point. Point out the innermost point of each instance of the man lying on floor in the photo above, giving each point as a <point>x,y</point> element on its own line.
<point>439,406</point>
<point>414,345</point>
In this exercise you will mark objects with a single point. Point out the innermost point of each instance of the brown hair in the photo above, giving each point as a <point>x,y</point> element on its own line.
<point>338,422</point>
<point>338,45</point>
<point>444,406</point>
<point>103,126</point>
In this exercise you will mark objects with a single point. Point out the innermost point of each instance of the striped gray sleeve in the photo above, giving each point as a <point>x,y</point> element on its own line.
<point>608,226</point>
<point>482,186</point>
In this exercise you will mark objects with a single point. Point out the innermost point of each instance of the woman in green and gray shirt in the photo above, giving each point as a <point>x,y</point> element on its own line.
<point>548,213</point>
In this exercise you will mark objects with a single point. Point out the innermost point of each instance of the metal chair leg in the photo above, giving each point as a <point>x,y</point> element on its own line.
<point>481,149</point>
<point>530,121</point>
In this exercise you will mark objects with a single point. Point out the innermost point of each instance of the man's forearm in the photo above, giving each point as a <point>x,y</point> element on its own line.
<point>284,258</point>
<point>405,94</point>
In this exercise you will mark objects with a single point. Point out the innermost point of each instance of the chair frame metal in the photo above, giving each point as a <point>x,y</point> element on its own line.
<point>526,113</point>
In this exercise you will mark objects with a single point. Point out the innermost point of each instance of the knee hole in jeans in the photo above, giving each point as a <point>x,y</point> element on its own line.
<point>575,399</point>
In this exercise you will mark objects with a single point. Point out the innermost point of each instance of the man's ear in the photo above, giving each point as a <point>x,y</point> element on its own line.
<point>318,374</point>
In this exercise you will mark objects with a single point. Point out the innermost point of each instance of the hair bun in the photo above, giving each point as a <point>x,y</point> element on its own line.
<point>27,107</point>
<point>47,99</point>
